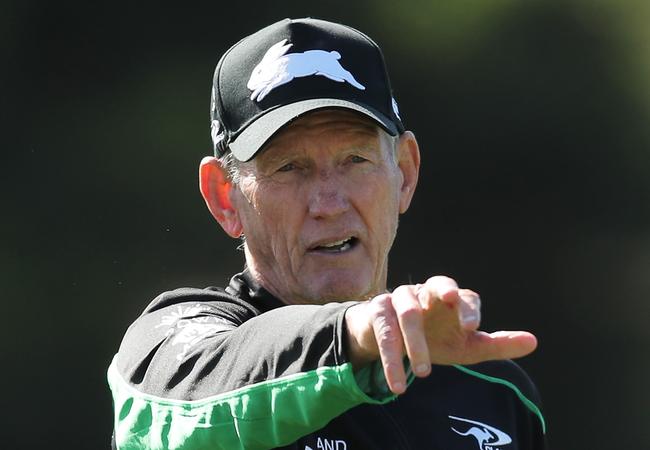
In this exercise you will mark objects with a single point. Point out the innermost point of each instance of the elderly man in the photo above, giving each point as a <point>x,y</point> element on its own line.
<point>306,348</point>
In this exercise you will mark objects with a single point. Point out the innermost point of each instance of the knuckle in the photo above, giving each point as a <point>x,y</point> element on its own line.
<point>386,337</point>
<point>380,306</point>
<point>381,301</point>
<point>403,290</point>
<point>410,313</point>
<point>407,306</point>
<point>392,367</point>
<point>426,296</point>
<point>386,334</point>
<point>444,280</point>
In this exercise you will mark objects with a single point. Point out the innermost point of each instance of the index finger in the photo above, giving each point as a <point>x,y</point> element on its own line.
<point>499,345</point>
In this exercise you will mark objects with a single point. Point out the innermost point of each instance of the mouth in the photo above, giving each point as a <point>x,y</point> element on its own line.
<point>339,246</point>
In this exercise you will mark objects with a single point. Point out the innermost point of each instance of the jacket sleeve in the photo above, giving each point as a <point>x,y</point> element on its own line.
<point>201,369</point>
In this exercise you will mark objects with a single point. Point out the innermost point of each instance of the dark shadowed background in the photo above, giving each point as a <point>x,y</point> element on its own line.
<point>533,121</point>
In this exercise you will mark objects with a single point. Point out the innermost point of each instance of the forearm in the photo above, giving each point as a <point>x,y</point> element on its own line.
<point>264,383</point>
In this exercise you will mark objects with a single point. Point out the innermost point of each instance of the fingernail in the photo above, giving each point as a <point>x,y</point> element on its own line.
<point>422,369</point>
<point>399,386</point>
<point>469,318</point>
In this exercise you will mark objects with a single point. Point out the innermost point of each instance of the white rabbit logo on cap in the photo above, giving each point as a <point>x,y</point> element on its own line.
<point>278,68</point>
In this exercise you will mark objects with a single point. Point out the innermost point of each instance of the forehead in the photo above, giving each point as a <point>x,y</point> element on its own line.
<point>322,124</point>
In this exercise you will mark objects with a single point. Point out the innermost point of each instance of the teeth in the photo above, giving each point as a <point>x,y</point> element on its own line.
<point>336,244</point>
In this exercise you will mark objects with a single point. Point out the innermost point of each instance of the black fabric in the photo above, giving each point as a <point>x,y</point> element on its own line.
<point>262,338</point>
<point>190,343</point>
<point>419,419</point>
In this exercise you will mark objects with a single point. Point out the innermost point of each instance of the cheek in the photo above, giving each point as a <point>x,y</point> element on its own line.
<point>252,219</point>
<point>381,189</point>
<point>378,202</point>
<point>273,219</point>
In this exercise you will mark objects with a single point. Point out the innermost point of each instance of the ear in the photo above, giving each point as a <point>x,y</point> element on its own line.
<point>408,154</point>
<point>216,188</point>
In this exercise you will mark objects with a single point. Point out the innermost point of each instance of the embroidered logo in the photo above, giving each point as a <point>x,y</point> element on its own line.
<point>190,325</point>
<point>487,437</point>
<point>279,67</point>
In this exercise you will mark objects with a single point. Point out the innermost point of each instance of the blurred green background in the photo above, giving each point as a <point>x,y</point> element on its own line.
<point>533,119</point>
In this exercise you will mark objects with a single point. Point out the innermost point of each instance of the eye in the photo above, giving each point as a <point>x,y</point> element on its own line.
<point>357,159</point>
<point>287,168</point>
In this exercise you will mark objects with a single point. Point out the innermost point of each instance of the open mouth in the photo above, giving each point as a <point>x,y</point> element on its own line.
<point>336,246</point>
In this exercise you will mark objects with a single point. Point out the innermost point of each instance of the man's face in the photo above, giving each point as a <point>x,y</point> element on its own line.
<point>319,208</point>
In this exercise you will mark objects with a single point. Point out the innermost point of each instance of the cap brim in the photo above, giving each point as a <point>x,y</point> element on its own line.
<point>251,140</point>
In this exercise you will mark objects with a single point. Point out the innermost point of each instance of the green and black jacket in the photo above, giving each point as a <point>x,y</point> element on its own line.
<point>235,368</point>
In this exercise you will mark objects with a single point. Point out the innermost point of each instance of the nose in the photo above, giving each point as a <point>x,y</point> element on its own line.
<point>328,198</point>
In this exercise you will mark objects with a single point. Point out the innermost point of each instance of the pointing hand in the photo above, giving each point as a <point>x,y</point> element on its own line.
<point>432,323</point>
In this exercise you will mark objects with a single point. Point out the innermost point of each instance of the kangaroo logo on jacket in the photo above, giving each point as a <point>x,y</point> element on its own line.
<point>279,67</point>
<point>487,437</point>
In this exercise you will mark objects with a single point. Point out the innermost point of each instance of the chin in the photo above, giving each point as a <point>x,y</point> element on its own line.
<point>339,287</point>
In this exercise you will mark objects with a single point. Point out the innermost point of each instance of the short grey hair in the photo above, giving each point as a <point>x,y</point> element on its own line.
<point>231,166</point>
<point>395,142</point>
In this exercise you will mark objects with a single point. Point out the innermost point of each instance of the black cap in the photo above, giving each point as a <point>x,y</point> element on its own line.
<point>289,68</point>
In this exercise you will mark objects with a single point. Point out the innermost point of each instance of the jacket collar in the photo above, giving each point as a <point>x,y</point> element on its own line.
<point>245,287</point>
